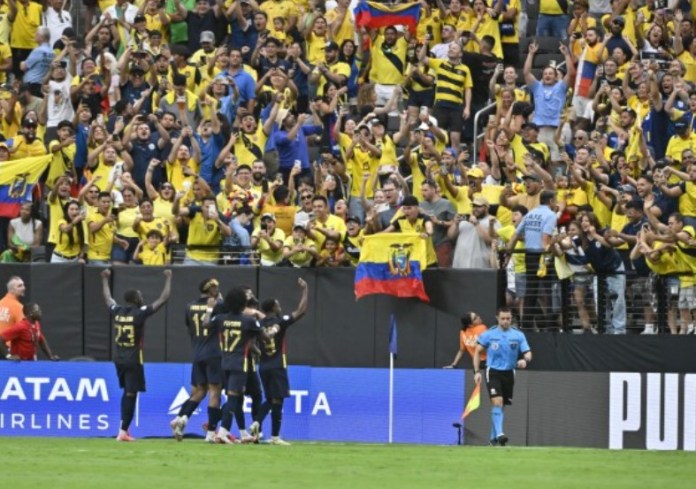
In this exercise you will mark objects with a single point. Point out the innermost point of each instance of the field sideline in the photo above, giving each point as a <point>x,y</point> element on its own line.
<point>104,463</point>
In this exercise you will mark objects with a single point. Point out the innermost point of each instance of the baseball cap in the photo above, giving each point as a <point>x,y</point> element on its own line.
<point>681,124</point>
<point>355,219</point>
<point>480,202</point>
<point>139,18</point>
<point>628,189</point>
<point>619,20</point>
<point>207,36</point>
<point>268,215</point>
<point>3,145</point>
<point>300,227</point>
<point>30,123</point>
<point>475,173</point>
<point>531,176</point>
<point>530,125</point>
<point>331,46</point>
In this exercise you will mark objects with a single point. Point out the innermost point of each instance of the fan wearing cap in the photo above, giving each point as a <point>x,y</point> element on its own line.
<point>27,144</point>
<point>63,150</point>
<point>298,249</point>
<point>684,139</point>
<point>412,220</point>
<point>265,56</point>
<point>352,243</point>
<point>474,236</point>
<point>202,56</point>
<point>530,199</point>
<point>268,240</point>
<point>331,69</point>
<point>388,59</point>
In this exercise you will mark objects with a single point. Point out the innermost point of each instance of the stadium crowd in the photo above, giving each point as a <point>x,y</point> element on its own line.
<point>281,133</point>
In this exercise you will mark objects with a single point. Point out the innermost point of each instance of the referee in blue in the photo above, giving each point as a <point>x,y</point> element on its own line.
<point>506,349</point>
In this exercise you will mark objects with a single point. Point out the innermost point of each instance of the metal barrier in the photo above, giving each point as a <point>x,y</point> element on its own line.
<point>589,302</point>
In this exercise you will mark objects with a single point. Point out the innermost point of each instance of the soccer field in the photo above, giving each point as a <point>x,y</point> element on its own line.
<point>160,464</point>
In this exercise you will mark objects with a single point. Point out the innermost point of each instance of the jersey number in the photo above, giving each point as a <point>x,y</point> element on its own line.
<point>197,319</point>
<point>269,347</point>
<point>230,339</point>
<point>125,335</point>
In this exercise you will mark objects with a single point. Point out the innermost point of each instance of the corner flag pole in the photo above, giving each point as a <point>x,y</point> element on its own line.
<point>392,356</point>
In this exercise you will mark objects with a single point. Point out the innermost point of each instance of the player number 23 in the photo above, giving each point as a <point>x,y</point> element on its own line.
<point>125,335</point>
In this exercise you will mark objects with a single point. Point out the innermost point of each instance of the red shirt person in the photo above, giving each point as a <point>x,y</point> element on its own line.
<point>25,336</point>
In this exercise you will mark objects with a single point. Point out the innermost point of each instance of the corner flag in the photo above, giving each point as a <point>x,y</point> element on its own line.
<point>474,402</point>
<point>392,335</point>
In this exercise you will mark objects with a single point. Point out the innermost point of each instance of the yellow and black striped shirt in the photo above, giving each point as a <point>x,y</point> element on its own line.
<point>451,81</point>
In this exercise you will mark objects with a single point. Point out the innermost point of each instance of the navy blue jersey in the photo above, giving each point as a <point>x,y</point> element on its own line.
<point>236,334</point>
<point>204,339</point>
<point>273,351</point>
<point>129,329</point>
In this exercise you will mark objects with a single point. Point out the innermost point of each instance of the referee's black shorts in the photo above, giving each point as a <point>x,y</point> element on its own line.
<point>131,377</point>
<point>500,384</point>
<point>206,372</point>
<point>276,384</point>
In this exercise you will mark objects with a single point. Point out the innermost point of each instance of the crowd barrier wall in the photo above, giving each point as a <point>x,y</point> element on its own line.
<point>337,331</point>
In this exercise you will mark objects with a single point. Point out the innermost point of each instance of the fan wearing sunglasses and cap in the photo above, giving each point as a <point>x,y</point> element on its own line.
<point>27,143</point>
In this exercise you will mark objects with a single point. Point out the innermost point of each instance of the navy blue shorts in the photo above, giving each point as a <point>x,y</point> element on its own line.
<point>276,384</point>
<point>131,378</point>
<point>235,381</point>
<point>207,371</point>
<point>253,385</point>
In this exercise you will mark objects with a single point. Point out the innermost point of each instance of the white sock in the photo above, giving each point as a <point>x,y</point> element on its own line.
<point>243,433</point>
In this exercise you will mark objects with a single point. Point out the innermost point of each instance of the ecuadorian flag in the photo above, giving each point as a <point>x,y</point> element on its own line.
<point>587,67</point>
<point>392,264</point>
<point>17,180</point>
<point>375,15</point>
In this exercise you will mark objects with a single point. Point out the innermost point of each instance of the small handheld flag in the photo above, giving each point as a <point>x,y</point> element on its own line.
<point>474,402</point>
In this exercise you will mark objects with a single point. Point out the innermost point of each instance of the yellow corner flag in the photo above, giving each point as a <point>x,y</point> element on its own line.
<point>474,402</point>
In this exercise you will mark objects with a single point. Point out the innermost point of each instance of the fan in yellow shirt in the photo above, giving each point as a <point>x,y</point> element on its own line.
<point>153,251</point>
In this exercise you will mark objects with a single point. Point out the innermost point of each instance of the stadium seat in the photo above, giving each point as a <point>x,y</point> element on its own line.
<point>393,123</point>
<point>548,45</point>
<point>38,254</point>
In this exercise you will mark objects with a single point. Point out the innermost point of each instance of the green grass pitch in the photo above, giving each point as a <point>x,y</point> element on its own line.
<point>163,464</point>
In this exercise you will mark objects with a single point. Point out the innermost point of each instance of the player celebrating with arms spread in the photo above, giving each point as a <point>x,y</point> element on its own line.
<point>274,366</point>
<point>206,371</point>
<point>129,326</point>
<point>503,345</point>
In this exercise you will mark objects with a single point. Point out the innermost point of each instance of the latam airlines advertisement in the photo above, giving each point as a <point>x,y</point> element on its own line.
<point>329,404</point>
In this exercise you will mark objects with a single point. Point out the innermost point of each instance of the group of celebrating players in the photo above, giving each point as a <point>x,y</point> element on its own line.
<point>234,340</point>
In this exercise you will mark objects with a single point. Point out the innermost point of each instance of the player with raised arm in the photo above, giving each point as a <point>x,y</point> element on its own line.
<point>206,371</point>
<point>506,348</point>
<point>237,332</point>
<point>129,330</point>
<point>273,365</point>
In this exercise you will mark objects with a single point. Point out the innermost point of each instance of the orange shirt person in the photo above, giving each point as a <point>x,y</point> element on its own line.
<point>11,310</point>
<point>472,328</point>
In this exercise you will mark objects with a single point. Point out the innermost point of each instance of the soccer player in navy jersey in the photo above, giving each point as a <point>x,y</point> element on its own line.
<point>237,332</point>
<point>129,328</point>
<point>273,365</point>
<point>506,349</point>
<point>206,371</point>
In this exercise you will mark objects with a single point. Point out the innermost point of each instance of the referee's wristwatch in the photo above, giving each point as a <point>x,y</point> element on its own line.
<point>477,372</point>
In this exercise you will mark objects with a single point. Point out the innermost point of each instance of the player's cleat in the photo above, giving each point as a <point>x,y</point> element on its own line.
<point>210,437</point>
<point>276,440</point>
<point>493,443</point>
<point>177,428</point>
<point>502,440</point>
<point>225,437</point>
<point>255,431</point>
<point>124,436</point>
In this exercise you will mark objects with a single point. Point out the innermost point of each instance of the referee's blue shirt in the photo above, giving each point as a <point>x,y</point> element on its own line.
<point>503,347</point>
